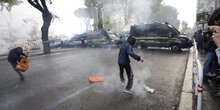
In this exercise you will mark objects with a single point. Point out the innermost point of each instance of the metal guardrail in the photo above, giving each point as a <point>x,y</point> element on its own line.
<point>198,76</point>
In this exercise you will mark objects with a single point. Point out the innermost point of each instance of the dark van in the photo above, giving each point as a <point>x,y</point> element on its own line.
<point>159,35</point>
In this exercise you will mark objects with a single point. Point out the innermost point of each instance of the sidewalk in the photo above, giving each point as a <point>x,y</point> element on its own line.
<point>209,101</point>
<point>186,98</point>
<point>39,52</point>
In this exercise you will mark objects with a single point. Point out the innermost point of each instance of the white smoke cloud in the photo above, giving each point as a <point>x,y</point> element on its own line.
<point>23,22</point>
<point>141,10</point>
<point>134,11</point>
<point>15,30</point>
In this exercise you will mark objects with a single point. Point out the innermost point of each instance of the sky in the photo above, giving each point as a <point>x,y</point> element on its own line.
<point>185,8</point>
<point>68,22</point>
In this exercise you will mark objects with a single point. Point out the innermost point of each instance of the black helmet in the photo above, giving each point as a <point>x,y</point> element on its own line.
<point>215,16</point>
<point>131,40</point>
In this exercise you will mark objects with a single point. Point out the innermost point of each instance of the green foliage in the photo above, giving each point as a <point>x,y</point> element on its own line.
<point>8,4</point>
<point>11,2</point>
<point>91,3</point>
<point>106,23</point>
<point>92,12</point>
<point>130,11</point>
<point>167,14</point>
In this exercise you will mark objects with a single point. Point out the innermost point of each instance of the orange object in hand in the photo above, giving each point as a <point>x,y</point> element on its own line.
<point>23,65</point>
<point>96,79</point>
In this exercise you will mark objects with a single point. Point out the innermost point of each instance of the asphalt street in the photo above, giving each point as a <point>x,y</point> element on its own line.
<point>59,81</point>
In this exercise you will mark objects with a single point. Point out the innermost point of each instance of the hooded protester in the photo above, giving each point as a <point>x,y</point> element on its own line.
<point>199,39</point>
<point>14,56</point>
<point>124,62</point>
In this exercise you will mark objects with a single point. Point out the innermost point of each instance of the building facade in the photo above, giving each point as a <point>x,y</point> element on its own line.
<point>204,9</point>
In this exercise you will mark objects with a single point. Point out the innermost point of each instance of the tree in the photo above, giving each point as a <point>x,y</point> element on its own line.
<point>86,14</point>
<point>8,4</point>
<point>167,14</point>
<point>125,7</point>
<point>91,3</point>
<point>127,12</point>
<point>185,27</point>
<point>98,4</point>
<point>47,18</point>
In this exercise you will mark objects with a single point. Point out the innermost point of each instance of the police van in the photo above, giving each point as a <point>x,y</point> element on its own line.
<point>159,35</point>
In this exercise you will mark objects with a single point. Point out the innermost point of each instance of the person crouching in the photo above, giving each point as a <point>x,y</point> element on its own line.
<point>14,56</point>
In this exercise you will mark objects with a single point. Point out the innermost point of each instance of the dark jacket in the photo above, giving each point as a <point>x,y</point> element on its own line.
<point>126,51</point>
<point>15,54</point>
<point>198,38</point>
<point>209,45</point>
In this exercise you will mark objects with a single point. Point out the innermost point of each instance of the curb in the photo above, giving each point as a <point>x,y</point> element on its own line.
<point>39,53</point>
<point>186,98</point>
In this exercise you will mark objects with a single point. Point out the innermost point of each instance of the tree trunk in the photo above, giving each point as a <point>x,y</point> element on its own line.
<point>100,21</point>
<point>47,17</point>
<point>125,7</point>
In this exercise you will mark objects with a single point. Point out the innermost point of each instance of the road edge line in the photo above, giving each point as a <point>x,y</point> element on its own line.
<point>64,99</point>
<point>186,98</point>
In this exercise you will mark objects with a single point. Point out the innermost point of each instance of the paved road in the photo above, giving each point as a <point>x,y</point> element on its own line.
<point>60,82</point>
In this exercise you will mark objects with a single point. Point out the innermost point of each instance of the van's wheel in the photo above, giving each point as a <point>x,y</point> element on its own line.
<point>139,47</point>
<point>175,48</point>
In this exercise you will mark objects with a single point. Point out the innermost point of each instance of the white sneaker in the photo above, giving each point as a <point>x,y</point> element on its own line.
<point>122,86</point>
<point>149,90</point>
<point>128,91</point>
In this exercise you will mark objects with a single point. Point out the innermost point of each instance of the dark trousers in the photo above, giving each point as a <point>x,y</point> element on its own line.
<point>130,75</point>
<point>208,67</point>
<point>14,65</point>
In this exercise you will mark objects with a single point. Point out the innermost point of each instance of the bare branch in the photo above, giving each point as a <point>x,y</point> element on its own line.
<point>44,5</point>
<point>36,5</point>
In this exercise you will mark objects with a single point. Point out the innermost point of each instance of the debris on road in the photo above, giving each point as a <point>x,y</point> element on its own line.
<point>149,90</point>
<point>94,79</point>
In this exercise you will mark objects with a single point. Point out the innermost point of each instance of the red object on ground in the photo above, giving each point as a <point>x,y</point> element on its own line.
<point>93,79</point>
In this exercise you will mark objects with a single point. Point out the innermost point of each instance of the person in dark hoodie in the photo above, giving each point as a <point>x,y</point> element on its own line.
<point>124,62</point>
<point>214,26</point>
<point>14,57</point>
